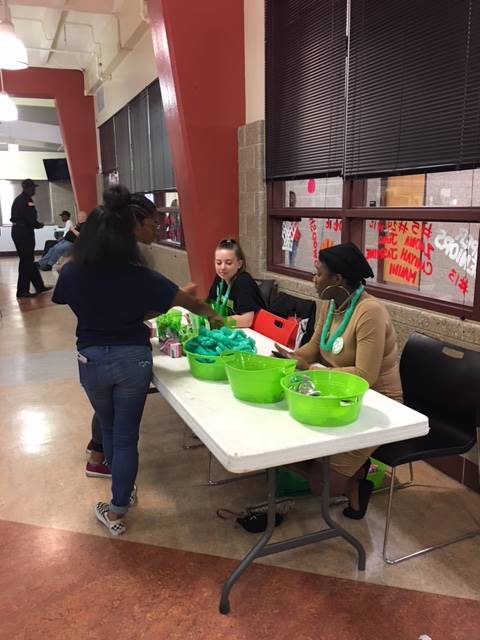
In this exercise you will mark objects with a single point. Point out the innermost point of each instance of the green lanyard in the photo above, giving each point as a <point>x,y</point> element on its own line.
<point>222,300</point>
<point>327,341</point>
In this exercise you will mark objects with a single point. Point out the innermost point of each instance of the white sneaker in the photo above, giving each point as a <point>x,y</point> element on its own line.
<point>133,496</point>
<point>115,527</point>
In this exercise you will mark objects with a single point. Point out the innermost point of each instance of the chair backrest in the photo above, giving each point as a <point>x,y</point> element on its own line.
<point>287,306</point>
<point>268,289</point>
<point>442,381</point>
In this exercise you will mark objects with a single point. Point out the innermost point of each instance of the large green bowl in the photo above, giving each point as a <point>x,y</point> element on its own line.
<point>204,367</point>
<point>255,378</point>
<point>339,402</point>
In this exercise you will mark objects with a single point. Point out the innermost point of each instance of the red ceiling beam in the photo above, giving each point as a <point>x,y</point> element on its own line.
<point>77,122</point>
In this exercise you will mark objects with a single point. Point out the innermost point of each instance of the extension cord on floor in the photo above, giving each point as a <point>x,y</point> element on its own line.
<point>282,505</point>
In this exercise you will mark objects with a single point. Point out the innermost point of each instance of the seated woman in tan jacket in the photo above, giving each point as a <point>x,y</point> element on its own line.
<point>354,334</point>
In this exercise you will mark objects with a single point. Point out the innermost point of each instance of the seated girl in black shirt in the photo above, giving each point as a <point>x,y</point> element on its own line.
<point>234,291</point>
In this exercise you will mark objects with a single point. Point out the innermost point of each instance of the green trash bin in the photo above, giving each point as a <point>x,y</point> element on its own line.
<point>291,484</point>
<point>377,473</point>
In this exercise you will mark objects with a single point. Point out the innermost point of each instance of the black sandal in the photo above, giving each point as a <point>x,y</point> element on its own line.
<point>365,488</point>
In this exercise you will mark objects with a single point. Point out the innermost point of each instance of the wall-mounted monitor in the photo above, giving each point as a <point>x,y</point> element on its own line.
<point>56,169</point>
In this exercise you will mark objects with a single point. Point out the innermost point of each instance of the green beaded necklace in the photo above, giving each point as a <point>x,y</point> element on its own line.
<point>327,342</point>
<point>221,303</point>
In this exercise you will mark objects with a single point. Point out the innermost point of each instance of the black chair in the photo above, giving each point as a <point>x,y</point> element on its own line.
<point>268,289</point>
<point>442,381</point>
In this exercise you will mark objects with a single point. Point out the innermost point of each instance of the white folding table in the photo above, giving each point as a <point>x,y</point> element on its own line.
<point>247,437</point>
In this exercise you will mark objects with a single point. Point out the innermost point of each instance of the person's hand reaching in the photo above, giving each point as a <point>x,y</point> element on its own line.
<point>281,352</point>
<point>191,288</point>
<point>216,322</point>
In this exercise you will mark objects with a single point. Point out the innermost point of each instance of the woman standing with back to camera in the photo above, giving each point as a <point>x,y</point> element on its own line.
<point>112,293</point>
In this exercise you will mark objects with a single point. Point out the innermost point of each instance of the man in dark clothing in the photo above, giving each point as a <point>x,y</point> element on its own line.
<point>24,222</point>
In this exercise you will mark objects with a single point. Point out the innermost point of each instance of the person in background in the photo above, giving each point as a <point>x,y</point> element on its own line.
<point>59,232</point>
<point>65,217</point>
<point>172,223</point>
<point>24,221</point>
<point>112,293</point>
<point>354,334</point>
<point>233,290</point>
<point>63,247</point>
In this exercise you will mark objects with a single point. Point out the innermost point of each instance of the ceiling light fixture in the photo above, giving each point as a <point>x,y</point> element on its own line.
<point>13,54</point>
<point>8,109</point>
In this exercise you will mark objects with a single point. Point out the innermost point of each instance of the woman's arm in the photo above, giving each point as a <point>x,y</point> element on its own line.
<point>307,355</point>
<point>185,300</point>
<point>244,320</point>
<point>310,352</point>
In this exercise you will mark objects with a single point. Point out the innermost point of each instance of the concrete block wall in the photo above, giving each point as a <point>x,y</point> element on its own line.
<point>171,262</point>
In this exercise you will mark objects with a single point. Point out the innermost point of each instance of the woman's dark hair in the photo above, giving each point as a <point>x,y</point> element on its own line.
<point>107,241</point>
<point>142,207</point>
<point>348,261</point>
<point>232,245</point>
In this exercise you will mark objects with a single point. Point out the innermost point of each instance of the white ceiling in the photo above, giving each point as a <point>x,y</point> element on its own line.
<point>63,34</point>
<point>91,35</point>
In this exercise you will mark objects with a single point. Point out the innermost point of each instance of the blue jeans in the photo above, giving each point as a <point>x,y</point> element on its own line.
<point>55,253</point>
<point>116,380</point>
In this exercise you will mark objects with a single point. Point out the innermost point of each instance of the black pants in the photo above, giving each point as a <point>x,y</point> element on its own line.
<point>96,443</point>
<point>24,240</point>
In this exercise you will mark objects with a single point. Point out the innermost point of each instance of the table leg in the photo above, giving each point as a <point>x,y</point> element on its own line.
<point>334,526</point>
<point>255,551</point>
<point>262,549</point>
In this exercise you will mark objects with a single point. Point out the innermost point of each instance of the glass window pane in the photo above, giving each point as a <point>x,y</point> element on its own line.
<point>321,193</point>
<point>171,199</point>
<point>433,259</point>
<point>300,240</point>
<point>442,189</point>
<point>169,230</point>
<point>450,189</point>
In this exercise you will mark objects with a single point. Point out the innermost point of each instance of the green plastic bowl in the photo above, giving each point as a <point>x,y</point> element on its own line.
<point>339,402</point>
<point>204,367</point>
<point>256,378</point>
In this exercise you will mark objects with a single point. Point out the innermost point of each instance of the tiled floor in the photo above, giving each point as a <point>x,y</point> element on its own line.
<point>62,577</point>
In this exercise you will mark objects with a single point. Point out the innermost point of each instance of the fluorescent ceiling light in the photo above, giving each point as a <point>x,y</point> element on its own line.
<point>8,109</point>
<point>13,54</point>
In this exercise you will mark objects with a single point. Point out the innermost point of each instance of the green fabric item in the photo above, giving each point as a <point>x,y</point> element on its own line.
<point>215,342</point>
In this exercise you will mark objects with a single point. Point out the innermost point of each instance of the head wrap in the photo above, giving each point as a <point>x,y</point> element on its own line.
<point>348,261</point>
